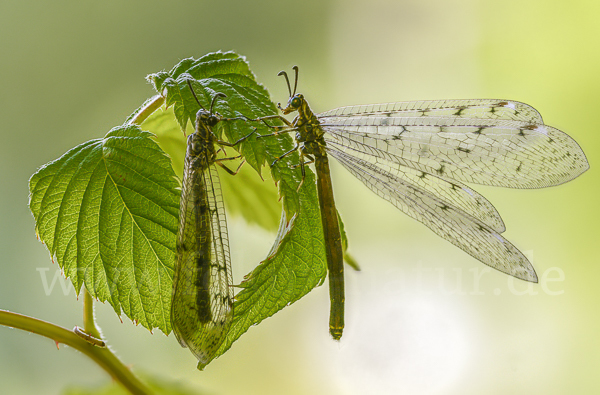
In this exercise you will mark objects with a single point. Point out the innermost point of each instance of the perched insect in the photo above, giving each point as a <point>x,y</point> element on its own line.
<point>202,303</point>
<point>416,155</point>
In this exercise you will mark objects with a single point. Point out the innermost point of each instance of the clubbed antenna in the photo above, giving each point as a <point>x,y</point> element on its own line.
<point>283,73</point>
<point>295,80</point>
<point>195,97</point>
<point>214,100</point>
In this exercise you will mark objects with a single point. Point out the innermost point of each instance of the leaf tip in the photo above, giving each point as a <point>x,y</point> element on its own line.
<point>201,365</point>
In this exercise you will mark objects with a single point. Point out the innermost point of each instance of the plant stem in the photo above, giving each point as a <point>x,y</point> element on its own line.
<point>146,110</point>
<point>101,355</point>
<point>89,325</point>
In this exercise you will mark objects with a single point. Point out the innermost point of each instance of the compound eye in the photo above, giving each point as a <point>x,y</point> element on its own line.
<point>296,102</point>
<point>212,120</point>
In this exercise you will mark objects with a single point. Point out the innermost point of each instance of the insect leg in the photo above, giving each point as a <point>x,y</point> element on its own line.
<point>286,154</point>
<point>227,169</point>
<point>303,171</point>
<point>280,117</point>
<point>283,129</point>
<point>311,160</point>
<point>240,118</point>
<point>228,144</point>
<point>230,158</point>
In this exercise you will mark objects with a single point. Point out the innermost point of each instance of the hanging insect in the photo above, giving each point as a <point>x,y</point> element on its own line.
<point>202,303</point>
<point>416,155</point>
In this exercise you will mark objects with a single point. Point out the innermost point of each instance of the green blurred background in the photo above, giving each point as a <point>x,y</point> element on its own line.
<point>417,321</point>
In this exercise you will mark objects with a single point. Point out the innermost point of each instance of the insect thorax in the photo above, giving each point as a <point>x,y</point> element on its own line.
<point>201,148</point>
<point>310,133</point>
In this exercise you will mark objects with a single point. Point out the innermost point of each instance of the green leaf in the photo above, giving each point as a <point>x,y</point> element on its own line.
<point>230,74</point>
<point>107,212</point>
<point>245,193</point>
<point>296,264</point>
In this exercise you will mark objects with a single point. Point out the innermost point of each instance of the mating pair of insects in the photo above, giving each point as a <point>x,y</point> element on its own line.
<point>416,155</point>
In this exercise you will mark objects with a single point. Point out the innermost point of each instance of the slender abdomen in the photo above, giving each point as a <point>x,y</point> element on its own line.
<point>333,246</point>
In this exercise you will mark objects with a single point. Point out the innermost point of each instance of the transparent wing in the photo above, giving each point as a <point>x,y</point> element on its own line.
<point>464,108</point>
<point>446,220</point>
<point>202,306</point>
<point>481,151</point>
<point>453,193</point>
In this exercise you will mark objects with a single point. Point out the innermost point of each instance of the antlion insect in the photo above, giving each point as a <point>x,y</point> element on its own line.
<point>416,155</point>
<point>202,303</point>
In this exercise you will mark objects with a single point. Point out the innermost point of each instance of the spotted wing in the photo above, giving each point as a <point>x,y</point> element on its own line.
<point>202,307</point>
<point>497,152</point>
<point>441,215</point>
<point>461,108</point>
<point>453,193</point>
